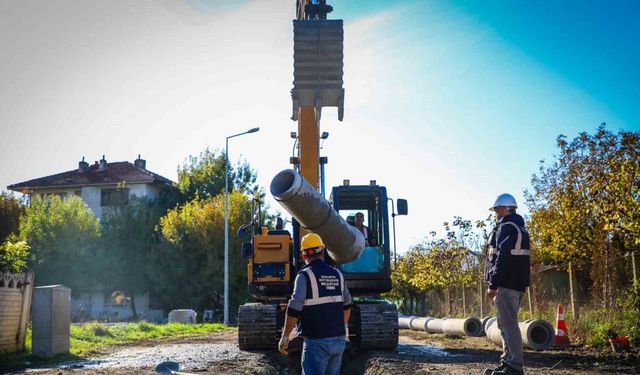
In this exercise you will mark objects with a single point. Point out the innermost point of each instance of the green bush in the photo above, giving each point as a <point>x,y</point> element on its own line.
<point>13,255</point>
<point>145,327</point>
<point>597,325</point>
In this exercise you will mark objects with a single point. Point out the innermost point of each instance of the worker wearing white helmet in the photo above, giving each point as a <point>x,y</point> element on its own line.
<point>507,276</point>
<point>320,307</point>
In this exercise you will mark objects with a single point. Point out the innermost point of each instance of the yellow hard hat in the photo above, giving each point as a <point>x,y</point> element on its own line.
<point>311,242</point>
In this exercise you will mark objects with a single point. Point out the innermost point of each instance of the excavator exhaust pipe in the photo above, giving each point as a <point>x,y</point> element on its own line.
<point>344,242</point>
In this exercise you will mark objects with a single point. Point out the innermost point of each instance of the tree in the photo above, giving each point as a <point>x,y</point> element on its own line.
<point>129,236</point>
<point>585,209</point>
<point>438,264</point>
<point>203,176</point>
<point>403,289</point>
<point>62,236</point>
<point>189,270</point>
<point>10,212</point>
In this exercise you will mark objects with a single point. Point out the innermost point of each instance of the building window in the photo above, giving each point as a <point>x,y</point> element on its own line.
<point>114,197</point>
<point>116,299</point>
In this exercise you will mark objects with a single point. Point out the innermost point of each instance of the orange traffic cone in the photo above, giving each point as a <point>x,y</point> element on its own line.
<point>562,336</point>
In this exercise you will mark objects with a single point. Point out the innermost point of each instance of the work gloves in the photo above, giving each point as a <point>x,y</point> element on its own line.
<point>283,345</point>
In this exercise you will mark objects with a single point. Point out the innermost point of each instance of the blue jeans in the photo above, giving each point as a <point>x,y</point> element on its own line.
<point>322,356</point>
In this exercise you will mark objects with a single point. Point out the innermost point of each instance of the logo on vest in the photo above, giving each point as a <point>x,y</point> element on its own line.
<point>329,282</point>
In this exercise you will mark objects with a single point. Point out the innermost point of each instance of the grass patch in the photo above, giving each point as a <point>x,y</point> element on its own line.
<point>89,338</point>
<point>594,325</point>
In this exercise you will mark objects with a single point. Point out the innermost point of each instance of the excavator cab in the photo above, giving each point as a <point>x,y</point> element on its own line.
<point>370,273</point>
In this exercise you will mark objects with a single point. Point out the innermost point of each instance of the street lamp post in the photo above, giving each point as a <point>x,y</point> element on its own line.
<point>226,222</point>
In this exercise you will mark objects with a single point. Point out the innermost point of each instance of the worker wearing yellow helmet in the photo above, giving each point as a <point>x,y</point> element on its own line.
<point>319,308</point>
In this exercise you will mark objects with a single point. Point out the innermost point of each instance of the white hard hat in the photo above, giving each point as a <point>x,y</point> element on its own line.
<point>504,200</point>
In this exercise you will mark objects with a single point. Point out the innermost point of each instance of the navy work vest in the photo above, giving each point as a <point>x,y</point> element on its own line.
<point>322,314</point>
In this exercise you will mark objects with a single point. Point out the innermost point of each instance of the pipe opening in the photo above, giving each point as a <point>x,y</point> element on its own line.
<point>282,182</point>
<point>540,335</point>
<point>473,327</point>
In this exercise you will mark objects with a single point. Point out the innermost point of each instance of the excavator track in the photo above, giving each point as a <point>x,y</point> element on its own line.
<point>257,326</point>
<point>378,326</point>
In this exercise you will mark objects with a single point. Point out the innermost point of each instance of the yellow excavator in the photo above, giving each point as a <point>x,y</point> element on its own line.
<point>273,255</point>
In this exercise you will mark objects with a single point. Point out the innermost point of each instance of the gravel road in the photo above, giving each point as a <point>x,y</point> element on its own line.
<point>418,353</point>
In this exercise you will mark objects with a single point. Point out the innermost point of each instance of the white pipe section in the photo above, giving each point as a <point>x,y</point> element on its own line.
<point>344,242</point>
<point>419,324</point>
<point>536,334</point>
<point>462,327</point>
<point>404,322</point>
<point>434,325</point>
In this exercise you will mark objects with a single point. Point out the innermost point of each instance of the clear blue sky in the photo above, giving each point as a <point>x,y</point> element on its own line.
<point>448,103</point>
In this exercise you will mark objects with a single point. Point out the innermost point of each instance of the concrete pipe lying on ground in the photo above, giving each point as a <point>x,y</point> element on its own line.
<point>484,324</point>
<point>427,324</point>
<point>462,327</point>
<point>419,324</point>
<point>434,325</point>
<point>536,334</point>
<point>404,322</point>
<point>344,242</point>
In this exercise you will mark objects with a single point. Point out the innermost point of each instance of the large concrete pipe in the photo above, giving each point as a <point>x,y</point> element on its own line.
<point>344,242</point>
<point>484,323</point>
<point>434,325</point>
<point>462,327</point>
<point>404,322</point>
<point>536,334</point>
<point>420,324</point>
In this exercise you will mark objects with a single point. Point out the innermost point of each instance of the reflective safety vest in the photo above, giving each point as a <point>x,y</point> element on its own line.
<point>517,250</point>
<point>322,314</point>
<point>510,240</point>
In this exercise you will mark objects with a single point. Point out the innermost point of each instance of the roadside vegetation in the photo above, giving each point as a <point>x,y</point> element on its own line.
<point>89,338</point>
<point>584,222</point>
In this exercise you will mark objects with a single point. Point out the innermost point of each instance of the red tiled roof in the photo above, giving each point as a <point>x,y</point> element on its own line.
<point>114,173</point>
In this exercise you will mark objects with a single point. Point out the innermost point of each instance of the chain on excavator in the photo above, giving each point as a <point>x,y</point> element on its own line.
<point>257,326</point>
<point>378,325</point>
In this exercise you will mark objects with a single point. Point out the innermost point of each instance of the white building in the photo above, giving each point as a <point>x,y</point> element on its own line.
<point>103,185</point>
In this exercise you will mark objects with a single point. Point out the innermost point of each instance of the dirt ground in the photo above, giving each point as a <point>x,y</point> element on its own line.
<point>418,353</point>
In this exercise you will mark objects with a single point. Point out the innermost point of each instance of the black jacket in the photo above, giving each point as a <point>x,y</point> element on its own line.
<point>508,255</point>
